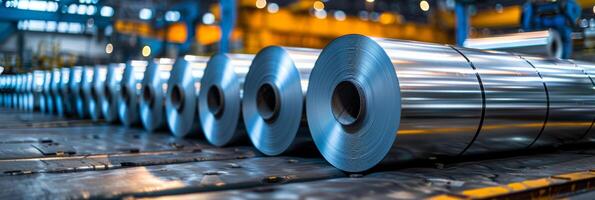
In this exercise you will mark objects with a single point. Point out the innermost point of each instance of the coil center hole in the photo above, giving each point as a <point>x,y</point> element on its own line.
<point>348,103</point>
<point>148,95</point>
<point>177,97</point>
<point>215,100</point>
<point>125,94</point>
<point>267,102</point>
<point>108,94</point>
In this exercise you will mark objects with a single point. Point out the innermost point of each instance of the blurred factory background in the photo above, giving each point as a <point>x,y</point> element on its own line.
<point>41,34</point>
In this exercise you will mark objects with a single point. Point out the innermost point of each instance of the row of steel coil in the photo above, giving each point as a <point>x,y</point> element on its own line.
<point>361,100</point>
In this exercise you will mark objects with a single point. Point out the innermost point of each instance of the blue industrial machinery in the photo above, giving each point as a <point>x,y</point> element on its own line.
<point>228,18</point>
<point>559,15</point>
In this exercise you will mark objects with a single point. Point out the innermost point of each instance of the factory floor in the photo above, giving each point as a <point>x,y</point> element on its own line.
<point>46,157</point>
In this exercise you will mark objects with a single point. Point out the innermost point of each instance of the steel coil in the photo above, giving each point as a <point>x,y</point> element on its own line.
<point>379,99</point>
<point>67,107</point>
<point>56,91</point>
<point>589,69</point>
<point>219,103</point>
<point>543,43</point>
<point>97,92</point>
<point>182,90</point>
<point>36,92</point>
<point>109,106</point>
<point>128,101</point>
<point>74,88</point>
<point>48,100</point>
<point>273,98</point>
<point>85,89</point>
<point>154,87</point>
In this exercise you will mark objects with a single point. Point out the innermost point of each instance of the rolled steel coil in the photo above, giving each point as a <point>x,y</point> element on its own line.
<point>36,95</point>
<point>97,92</point>
<point>152,102</point>
<point>379,99</point>
<point>29,97</point>
<point>109,105</point>
<point>182,91</point>
<point>56,91</point>
<point>85,89</point>
<point>273,99</point>
<point>67,107</point>
<point>219,102</point>
<point>541,43</point>
<point>128,101</point>
<point>75,96</point>
<point>47,105</point>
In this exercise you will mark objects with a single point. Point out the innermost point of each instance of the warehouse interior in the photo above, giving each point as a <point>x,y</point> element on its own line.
<point>297,99</point>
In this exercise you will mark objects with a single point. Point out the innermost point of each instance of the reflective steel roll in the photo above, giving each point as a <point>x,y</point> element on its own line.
<point>109,104</point>
<point>56,91</point>
<point>182,91</point>
<point>571,100</point>
<point>74,88</point>
<point>65,92</point>
<point>36,91</point>
<point>378,99</point>
<point>97,91</point>
<point>219,103</point>
<point>516,101</point>
<point>273,98</point>
<point>128,103</point>
<point>30,84</point>
<point>152,102</point>
<point>544,43</point>
<point>589,69</point>
<point>368,97</point>
<point>86,95</point>
<point>48,101</point>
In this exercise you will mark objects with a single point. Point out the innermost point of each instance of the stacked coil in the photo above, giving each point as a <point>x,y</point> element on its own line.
<point>130,88</point>
<point>274,93</point>
<point>182,91</point>
<point>219,102</point>
<point>154,88</point>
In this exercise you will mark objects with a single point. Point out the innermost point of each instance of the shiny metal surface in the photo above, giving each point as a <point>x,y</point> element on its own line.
<point>56,91</point>
<point>109,104</point>
<point>543,43</point>
<point>571,101</point>
<point>515,98</point>
<point>128,101</point>
<point>219,103</point>
<point>85,90</point>
<point>440,101</point>
<point>47,101</point>
<point>97,91</point>
<point>181,96</point>
<point>32,84</point>
<point>74,87</point>
<point>273,99</point>
<point>368,97</point>
<point>152,101</point>
<point>37,90</point>
<point>589,69</point>
<point>64,92</point>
